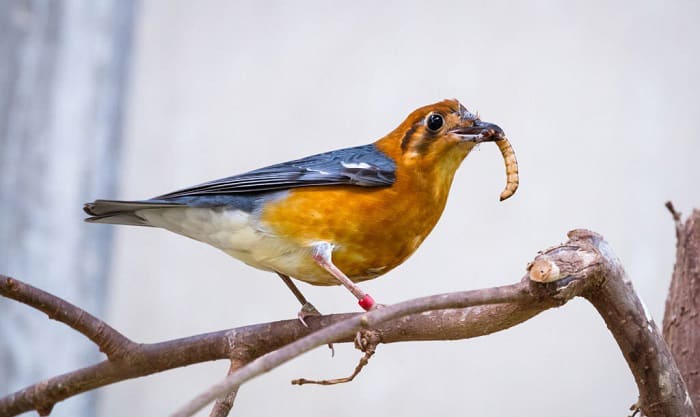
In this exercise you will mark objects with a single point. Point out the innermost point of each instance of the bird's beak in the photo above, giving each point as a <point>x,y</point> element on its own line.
<point>479,132</point>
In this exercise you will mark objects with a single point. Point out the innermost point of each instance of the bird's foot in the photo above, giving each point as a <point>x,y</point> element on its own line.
<point>307,310</point>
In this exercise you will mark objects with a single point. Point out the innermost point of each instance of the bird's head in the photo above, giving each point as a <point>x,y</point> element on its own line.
<point>432,142</point>
<point>440,134</point>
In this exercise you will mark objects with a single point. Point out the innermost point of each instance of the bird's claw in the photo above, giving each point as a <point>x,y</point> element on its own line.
<point>307,310</point>
<point>377,306</point>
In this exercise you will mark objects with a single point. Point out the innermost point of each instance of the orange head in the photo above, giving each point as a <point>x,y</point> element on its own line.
<point>436,138</point>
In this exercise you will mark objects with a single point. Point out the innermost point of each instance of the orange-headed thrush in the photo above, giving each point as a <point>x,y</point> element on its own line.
<point>338,217</point>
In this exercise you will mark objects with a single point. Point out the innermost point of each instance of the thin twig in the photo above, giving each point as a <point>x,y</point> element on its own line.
<point>676,215</point>
<point>111,342</point>
<point>364,360</point>
<point>366,342</point>
<point>676,218</point>
<point>223,406</point>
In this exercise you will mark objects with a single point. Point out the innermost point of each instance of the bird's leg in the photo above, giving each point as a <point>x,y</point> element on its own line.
<point>307,309</point>
<point>322,255</point>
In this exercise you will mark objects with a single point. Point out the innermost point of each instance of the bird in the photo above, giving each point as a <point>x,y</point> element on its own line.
<point>335,218</point>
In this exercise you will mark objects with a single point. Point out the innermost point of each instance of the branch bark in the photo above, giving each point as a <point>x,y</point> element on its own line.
<point>245,343</point>
<point>583,266</point>
<point>681,325</point>
<point>111,342</point>
<point>223,405</point>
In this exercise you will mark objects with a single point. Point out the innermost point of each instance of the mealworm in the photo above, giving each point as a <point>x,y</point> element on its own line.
<point>511,163</point>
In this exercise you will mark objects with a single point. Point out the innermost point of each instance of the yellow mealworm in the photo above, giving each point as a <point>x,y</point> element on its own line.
<point>511,163</point>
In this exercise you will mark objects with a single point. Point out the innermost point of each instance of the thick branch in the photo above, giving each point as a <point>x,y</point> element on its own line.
<point>347,328</point>
<point>662,392</point>
<point>576,282</point>
<point>681,324</point>
<point>110,341</point>
<point>248,342</point>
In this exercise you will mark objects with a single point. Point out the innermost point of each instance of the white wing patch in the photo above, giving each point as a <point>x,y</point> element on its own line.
<point>356,165</point>
<point>320,171</point>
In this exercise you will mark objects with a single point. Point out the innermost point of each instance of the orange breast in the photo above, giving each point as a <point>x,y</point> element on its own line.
<point>373,230</point>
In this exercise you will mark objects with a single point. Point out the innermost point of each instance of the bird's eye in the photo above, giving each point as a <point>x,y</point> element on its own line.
<point>434,122</point>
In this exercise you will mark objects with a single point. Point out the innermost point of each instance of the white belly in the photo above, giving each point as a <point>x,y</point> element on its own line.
<point>241,235</point>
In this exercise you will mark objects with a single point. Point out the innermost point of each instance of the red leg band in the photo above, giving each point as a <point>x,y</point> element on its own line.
<point>367,302</point>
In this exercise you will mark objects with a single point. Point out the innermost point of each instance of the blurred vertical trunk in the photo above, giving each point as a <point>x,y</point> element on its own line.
<point>63,67</point>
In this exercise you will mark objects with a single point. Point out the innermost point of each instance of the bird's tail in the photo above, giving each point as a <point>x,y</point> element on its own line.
<point>122,212</point>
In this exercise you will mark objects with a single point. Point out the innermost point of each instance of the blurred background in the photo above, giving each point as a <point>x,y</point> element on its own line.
<point>130,99</point>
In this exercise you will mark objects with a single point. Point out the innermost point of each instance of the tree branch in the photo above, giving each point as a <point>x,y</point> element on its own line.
<point>111,342</point>
<point>253,341</point>
<point>662,392</point>
<point>582,266</point>
<point>347,329</point>
<point>676,218</point>
<point>366,341</point>
<point>681,325</point>
<point>223,405</point>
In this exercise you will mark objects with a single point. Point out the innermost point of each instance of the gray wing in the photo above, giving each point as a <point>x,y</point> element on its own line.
<point>364,166</point>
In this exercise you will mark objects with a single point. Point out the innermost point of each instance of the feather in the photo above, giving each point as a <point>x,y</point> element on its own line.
<point>364,166</point>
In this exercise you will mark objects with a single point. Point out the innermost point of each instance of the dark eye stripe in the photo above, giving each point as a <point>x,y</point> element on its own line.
<point>433,123</point>
<point>407,137</point>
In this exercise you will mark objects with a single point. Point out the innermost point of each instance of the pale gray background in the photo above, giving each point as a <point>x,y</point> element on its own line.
<point>598,99</point>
